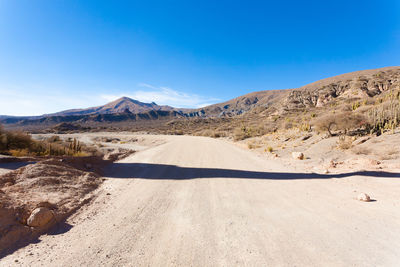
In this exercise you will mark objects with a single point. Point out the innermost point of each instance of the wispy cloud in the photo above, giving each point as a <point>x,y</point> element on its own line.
<point>14,101</point>
<point>165,96</point>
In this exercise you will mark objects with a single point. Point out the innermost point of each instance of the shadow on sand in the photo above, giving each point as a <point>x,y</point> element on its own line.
<point>173,172</point>
<point>15,165</point>
<point>57,229</point>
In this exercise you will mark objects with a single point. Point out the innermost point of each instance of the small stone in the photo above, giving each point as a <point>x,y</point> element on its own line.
<point>298,155</point>
<point>364,197</point>
<point>40,217</point>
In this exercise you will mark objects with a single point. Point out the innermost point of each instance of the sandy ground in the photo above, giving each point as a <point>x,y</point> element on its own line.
<point>195,201</point>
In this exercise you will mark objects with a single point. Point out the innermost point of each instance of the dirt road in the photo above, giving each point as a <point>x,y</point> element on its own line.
<point>197,201</point>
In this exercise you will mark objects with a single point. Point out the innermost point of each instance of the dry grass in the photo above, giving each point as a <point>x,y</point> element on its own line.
<point>269,149</point>
<point>344,142</point>
<point>20,144</point>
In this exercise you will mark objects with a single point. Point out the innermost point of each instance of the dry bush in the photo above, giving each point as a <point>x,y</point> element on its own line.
<point>178,132</point>
<point>21,144</point>
<point>342,122</point>
<point>54,139</point>
<point>217,134</point>
<point>326,123</point>
<point>241,133</point>
<point>15,140</point>
<point>344,142</point>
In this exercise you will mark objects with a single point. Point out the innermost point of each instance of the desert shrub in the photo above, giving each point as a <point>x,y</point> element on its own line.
<point>269,149</point>
<point>54,139</point>
<point>178,132</point>
<point>217,134</point>
<point>342,122</point>
<point>350,121</point>
<point>19,152</point>
<point>17,140</point>
<point>344,142</point>
<point>355,105</point>
<point>326,123</point>
<point>242,133</point>
<point>304,126</point>
<point>3,138</point>
<point>21,144</point>
<point>251,145</point>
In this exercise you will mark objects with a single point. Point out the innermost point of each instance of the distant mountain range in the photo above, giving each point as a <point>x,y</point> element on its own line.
<point>121,105</point>
<point>359,84</point>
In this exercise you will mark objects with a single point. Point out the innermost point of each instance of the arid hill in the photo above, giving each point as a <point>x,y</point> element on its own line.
<point>359,84</point>
<point>121,105</point>
<point>318,97</point>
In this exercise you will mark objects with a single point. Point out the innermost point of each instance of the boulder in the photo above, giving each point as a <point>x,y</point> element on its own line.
<point>40,217</point>
<point>364,197</point>
<point>298,155</point>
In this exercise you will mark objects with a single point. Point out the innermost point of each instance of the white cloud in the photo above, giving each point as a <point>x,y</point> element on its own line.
<point>165,96</point>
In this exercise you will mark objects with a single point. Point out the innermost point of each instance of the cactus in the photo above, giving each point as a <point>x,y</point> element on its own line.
<point>386,117</point>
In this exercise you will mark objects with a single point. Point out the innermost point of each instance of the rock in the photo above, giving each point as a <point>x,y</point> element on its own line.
<point>364,197</point>
<point>332,164</point>
<point>374,162</point>
<point>298,155</point>
<point>40,217</point>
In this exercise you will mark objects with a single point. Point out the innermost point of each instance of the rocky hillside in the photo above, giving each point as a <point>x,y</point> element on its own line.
<point>359,84</point>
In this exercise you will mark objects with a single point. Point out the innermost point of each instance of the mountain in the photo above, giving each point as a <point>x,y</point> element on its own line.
<point>359,84</point>
<point>341,89</point>
<point>121,105</point>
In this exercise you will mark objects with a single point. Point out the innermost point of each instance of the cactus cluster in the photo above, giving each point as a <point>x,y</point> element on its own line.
<point>54,149</point>
<point>386,116</point>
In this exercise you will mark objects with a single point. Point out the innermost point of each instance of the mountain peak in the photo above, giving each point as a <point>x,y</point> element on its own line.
<point>125,98</point>
<point>121,105</point>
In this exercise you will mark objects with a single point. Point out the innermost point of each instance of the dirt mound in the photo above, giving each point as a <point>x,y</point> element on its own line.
<point>55,184</point>
<point>118,154</point>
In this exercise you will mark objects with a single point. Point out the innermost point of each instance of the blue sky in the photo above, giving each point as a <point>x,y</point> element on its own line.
<point>56,55</point>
